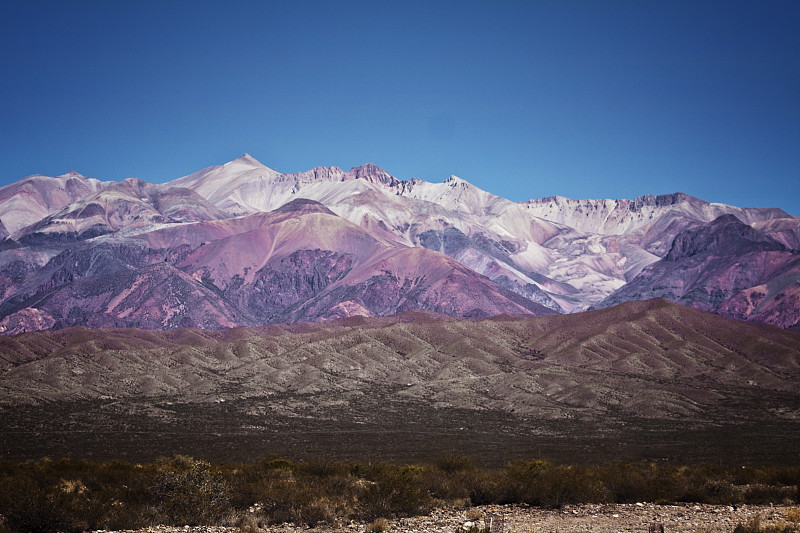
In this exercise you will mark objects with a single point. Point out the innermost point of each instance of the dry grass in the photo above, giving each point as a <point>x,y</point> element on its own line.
<point>377,526</point>
<point>757,524</point>
<point>792,515</point>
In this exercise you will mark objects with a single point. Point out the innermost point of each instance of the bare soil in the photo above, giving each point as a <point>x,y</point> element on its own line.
<point>523,519</point>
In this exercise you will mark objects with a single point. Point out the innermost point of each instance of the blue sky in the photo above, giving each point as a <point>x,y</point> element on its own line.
<point>584,99</point>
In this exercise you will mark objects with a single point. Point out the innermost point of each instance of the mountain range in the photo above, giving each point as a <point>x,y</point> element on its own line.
<point>589,364</point>
<point>241,244</point>
<point>651,379</point>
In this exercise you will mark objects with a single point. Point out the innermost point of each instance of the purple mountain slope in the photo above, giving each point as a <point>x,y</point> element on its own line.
<point>727,267</point>
<point>298,263</point>
<point>565,254</point>
<point>242,244</point>
<point>132,206</point>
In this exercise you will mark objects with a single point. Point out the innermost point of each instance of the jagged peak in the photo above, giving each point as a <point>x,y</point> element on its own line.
<point>647,199</point>
<point>72,174</point>
<point>663,200</point>
<point>373,173</point>
<point>322,173</point>
<point>371,168</point>
<point>454,180</point>
<point>550,199</point>
<point>329,168</point>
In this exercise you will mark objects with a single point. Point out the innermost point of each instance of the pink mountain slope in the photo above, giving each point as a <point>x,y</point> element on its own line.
<point>30,199</point>
<point>298,263</point>
<point>242,244</point>
<point>565,254</point>
<point>727,267</point>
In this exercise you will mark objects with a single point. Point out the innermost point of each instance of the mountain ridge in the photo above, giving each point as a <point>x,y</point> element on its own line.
<point>559,255</point>
<point>551,366</point>
<point>651,378</point>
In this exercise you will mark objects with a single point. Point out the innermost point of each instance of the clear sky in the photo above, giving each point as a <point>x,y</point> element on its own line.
<point>584,99</point>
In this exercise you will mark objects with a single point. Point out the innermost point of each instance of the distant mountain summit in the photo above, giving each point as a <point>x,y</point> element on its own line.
<point>243,244</point>
<point>725,236</point>
<point>727,267</point>
<point>30,199</point>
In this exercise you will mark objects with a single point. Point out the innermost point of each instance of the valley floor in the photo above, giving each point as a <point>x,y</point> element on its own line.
<point>382,426</point>
<point>523,519</point>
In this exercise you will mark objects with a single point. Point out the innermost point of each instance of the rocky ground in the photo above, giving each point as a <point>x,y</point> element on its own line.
<point>637,517</point>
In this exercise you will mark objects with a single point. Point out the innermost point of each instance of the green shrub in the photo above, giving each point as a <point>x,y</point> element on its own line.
<point>191,492</point>
<point>286,500</point>
<point>67,496</point>
<point>561,485</point>
<point>28,506</point>
<point>485,489</point>
<point>453,463</point>
<point>629,482</point>
<point>541,483</point>
<point>760,494</point>
<point>303,493</point>
<point>322,469</point>
<point>394,491</point>
<point>43,504</point>
<point>521,483</point>
<point>718,491</point>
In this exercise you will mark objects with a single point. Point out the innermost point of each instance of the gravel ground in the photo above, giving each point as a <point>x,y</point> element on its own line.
<point>522,519</point>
